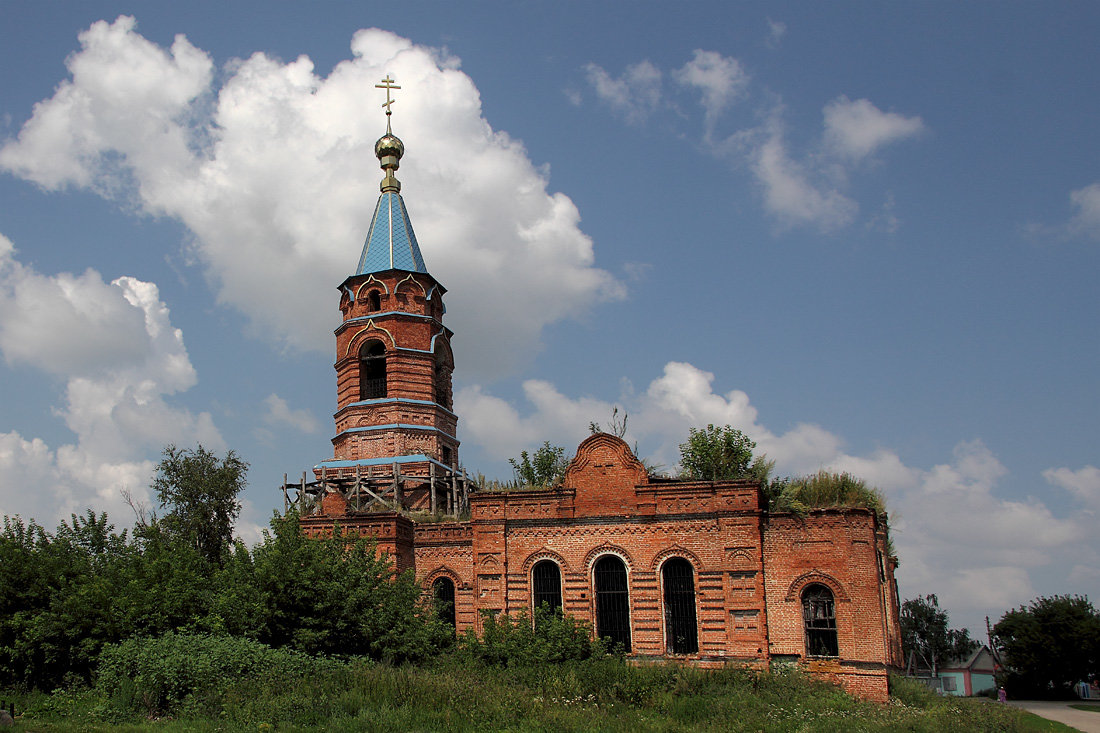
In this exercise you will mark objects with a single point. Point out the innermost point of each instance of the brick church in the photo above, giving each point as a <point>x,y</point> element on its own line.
<point>690,570</point>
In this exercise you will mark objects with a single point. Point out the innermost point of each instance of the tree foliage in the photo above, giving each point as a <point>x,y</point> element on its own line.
<point>336,595</point>
<point>716,454</point>
<point>1049,645</point>
<point>545,468</point>
<point>199,492</point>
<point>71,593</point>
<point>926,636</point>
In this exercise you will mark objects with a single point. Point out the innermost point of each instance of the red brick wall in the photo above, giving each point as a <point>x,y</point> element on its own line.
<point>749,568</point>
<point>409,324</point>
<point>840,549</point>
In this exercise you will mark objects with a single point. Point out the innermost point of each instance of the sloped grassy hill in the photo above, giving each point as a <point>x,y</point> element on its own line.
<point>457,695</point>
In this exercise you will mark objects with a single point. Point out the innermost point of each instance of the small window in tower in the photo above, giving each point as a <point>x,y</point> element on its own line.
<point>819,617</point>
<point>372,371</point>
<point>546,582</point>
<point>374,302</point>
<point>447,456</point>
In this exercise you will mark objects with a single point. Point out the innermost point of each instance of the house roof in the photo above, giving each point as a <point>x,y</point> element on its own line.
<point>980,658</point>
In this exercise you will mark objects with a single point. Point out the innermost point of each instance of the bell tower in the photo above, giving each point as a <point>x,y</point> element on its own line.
<point>393,353</point>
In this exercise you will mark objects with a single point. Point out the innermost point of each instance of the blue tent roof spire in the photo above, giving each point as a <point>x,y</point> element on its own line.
<point>391,243</point>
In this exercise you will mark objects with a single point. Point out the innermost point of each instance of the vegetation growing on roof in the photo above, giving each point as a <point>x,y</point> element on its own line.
<point>822,490</point>
<point>542,469</point>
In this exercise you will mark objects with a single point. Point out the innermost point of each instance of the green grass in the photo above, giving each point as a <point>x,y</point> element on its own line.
<point>1092,707</point>
<point>601,695</point>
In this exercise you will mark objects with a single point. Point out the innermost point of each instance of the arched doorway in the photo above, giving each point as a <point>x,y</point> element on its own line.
<point>681,630</point>
<point>443,589</point>
<point>612,600</point>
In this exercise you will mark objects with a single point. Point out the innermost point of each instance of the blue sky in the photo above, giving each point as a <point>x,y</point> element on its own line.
<point>867,234</point>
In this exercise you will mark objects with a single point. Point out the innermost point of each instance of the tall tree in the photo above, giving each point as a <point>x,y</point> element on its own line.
<point>716,454</point>
<point>199,492</point>
<point>1049,645</point>
<point>925,634</point>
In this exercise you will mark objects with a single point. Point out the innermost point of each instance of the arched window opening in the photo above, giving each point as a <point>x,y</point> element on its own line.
<point>372,371</point>
<point>546,579</point>
<point>441,385</point>
<point>443,589</point>
<point>374,301</point>
<point>612,600</point>
<point>819,617</point>
<point>681,630</point>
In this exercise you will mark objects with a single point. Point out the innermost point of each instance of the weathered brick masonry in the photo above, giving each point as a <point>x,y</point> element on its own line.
<point>750,570</point>
<point>696,570</point>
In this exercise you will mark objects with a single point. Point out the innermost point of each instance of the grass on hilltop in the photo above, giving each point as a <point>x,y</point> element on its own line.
<point>462,695</point>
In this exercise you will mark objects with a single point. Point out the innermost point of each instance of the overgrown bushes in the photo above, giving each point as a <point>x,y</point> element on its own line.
<point>158,675</point>
<point>515,640</point>
<point>71,592</point>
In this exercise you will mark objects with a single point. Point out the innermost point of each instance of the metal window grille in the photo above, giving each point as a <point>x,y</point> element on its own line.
<point>546,578</point>
<point>444,591</point>
<point>372,371</point>
<point>819,617</point>
<point>612,600</point>
<point>681,630</point>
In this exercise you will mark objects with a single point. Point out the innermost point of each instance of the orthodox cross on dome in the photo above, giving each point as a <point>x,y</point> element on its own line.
<point>387,84</point>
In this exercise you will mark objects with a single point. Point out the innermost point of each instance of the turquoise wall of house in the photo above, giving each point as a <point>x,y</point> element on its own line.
<point>980,683</point>
<point>959,688</point>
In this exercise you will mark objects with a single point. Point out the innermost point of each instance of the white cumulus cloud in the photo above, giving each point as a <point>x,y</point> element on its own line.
<point>956,534</point>
<point>274,174</point>
<point>634,94</point>
<point>120,357</point>
<point>1086,219</point>
<point>789,193</point>
<point>279,414</point>
<point>720,79</point>
<point>1083,483</point>
<point>857,129</point>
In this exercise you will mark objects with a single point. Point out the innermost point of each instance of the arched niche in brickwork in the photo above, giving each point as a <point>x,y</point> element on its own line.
<point>373,282</point>
<point>544,554</point>
<point>799,584</point>
<point>676,551</point>
<point>740,557</point>
<point>409,282</point>
<point>441,347</point>
<point>440,572</point>
<point>366,333</point>
<point>594,555</point>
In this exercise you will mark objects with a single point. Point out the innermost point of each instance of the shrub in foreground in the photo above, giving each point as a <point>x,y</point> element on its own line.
<point>158,675</point>
<point>518,640</point>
